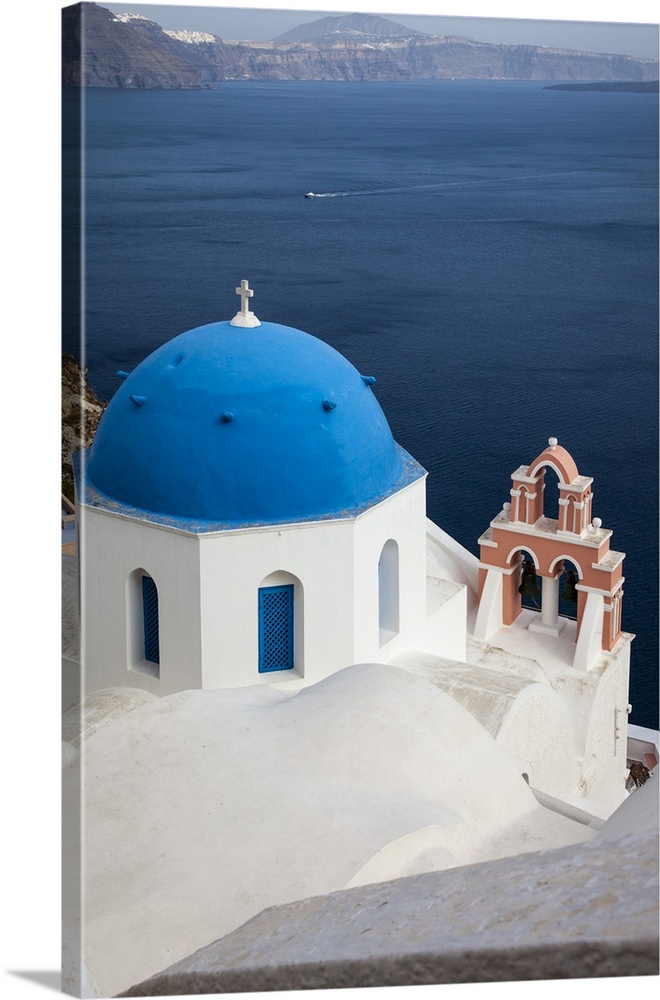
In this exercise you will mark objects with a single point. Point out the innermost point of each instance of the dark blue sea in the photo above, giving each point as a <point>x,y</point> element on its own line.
<point>489,253</point>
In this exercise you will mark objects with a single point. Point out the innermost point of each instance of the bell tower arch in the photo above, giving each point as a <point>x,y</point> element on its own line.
<point>574,537</point>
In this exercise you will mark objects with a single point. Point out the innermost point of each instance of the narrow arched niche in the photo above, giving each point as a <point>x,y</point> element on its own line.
<point>388,591</point>
<point>143,623</point>
<point>280,623</point>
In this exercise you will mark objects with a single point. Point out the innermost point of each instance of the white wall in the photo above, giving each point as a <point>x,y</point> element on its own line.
<point>334,568</point>
<point>604,768</point>
<point>401,518</point>
<point>316,558</point>
<point>537,735</point>
<point>445,632</point>
<point>111,549</point>
<point>208,588</point>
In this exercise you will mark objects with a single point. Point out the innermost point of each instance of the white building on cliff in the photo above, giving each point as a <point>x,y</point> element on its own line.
<point>247,518</point>
<point>250,534</point>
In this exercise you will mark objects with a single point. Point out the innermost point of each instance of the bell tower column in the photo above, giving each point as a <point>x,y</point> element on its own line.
<point>550,602</point>
<point>549,623</point>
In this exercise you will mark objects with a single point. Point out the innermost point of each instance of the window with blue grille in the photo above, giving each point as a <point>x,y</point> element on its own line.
<point>275,628</point>
<point>150,609</point>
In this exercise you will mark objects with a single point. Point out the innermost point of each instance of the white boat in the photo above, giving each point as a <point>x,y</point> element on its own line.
<point>310,194</point>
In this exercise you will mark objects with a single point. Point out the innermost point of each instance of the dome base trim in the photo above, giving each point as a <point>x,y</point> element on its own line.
<point>89,496</point>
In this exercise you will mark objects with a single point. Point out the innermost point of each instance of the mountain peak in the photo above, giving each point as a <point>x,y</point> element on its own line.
<point>349,28</point>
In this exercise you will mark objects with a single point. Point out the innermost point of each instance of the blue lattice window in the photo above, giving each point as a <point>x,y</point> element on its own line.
<point>275,628</point>
<point>150,609</point>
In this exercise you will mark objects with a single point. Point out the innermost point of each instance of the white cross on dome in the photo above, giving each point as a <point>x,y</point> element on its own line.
<point>244,317</point>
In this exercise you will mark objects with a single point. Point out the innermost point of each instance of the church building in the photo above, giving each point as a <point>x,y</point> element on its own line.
<point>246,517</point>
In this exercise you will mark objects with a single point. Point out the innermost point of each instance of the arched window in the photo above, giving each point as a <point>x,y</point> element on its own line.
<point>276,643</point>
<point>280,611</point>
<point>150,616</point>
<point>529,586</point>
<point>568,595</point>
<point>388,591</point>
<point>143,624</point>
<point>551,494</point>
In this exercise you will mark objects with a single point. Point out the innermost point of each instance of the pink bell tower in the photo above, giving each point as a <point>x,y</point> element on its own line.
<point>574,535</point>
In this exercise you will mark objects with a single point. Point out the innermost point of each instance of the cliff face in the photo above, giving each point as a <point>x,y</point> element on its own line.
<point>104,50</point>
<point>462,58</point>
<point>98,50</point>
<point>268,61</point>
<point>81,412</point>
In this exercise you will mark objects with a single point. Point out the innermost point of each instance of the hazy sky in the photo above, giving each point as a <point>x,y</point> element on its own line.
<point>262,25</point>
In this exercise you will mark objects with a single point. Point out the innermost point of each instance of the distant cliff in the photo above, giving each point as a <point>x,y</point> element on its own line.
<point>101,49</point>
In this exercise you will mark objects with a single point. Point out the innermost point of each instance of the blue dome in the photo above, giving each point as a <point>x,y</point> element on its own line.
<point>230,424</point>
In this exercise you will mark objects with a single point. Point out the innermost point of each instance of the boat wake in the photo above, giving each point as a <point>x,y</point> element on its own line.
<point>360,194</point>
<point>439,186</point>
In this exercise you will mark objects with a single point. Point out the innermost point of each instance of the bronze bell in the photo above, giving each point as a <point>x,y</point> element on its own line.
<point>569,592</point>
<point>530,585</point>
